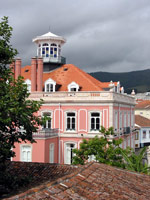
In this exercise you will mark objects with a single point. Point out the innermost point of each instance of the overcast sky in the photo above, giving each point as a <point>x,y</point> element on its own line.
<point>102,35</point>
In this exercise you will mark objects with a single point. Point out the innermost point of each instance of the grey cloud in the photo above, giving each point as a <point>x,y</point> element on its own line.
<point>108,35</point>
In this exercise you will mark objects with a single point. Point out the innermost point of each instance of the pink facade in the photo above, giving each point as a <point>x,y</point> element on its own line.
<point>77,104</point>
<point>64,140</point>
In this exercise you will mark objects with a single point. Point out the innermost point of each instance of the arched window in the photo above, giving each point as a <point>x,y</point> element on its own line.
<point>73,87</point>
<point>45,50</point>
<point>53,50</point>
<point>50,85</point>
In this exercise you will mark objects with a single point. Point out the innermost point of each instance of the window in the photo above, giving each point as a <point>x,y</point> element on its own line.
<point>69,153</point>
<point>45,50</point>
<point>95,121</point>
<point>71,121</point>
<point>51,153</point>
<point>53,50</point>
<point>50,85</point>
<point>48,122</point>
<point>26,153</point>
<point>144,134</point>
<point>73,87</point>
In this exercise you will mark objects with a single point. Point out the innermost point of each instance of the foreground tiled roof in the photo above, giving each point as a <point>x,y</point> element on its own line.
<point>94,181</point>
<point>143,105</point>
<point>142,121</point>
<point>67,74</point>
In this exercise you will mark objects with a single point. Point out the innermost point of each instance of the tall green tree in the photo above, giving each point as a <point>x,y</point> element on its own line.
<point>16,111</point>
<point>104,149</point>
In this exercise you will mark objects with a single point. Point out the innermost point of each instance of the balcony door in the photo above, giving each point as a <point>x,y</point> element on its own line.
<point>69,153</point>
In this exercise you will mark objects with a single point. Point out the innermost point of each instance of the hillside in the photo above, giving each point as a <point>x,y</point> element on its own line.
<point>138,80</point>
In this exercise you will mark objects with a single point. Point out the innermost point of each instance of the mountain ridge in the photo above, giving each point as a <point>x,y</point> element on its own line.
<point>138,80</point>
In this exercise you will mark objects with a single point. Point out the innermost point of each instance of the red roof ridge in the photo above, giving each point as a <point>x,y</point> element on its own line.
<point>87,76</point>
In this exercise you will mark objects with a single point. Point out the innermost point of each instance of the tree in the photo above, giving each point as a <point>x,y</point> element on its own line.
<point>134,162</point>
<point>104,149</point>
<point>17,113</point>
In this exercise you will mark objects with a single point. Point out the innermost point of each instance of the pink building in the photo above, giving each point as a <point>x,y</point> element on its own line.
<point>77,103</point>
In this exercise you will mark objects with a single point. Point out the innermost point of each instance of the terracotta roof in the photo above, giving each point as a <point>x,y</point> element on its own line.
<point>67,73</point>
<point>143,105</point>
<point>142,121</point>
<point>94,181</point>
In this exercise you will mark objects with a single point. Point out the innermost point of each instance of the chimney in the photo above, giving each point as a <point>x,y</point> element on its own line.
<point>18,68</point>
<point>40,75</point>
<point>33,74</point>
<point>12,68</point>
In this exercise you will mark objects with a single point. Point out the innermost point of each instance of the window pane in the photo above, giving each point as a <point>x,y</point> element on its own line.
<point>47,88</point>
<point>95,114</point>
<point>92,123</point>
<point>68,123</point>
<point>71,114</point>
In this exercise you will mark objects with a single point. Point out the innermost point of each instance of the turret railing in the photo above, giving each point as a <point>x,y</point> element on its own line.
<point>59,59</point>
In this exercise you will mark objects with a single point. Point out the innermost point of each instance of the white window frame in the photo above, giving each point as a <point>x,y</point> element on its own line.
<point>51,153</point>
<point>28,83</point>
<point>144,138</point>
<point>21,152</point>
<point>65,150</point>
<point>90,116</point>
<point>72,130</point>
<point>50,82</point>
<point>51,115</point>
<point>73,85</point>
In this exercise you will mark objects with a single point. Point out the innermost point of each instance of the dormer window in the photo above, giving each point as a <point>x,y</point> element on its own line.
<point>73,87</point>
<point>28,82</point>
<point>50,85</point>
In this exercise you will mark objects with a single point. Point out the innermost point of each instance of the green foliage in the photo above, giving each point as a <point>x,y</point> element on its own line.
<point>17,119</point>
<point>104,149</point>
<point>134,162</point>
<point>7,53</point>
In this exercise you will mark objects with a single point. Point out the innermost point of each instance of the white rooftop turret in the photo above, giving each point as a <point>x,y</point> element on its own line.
<point>49,47</point>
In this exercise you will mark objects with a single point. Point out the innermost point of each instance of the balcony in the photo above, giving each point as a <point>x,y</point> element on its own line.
<point>59,60</point>
<point>46,133</point>
<point>126,130</point>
